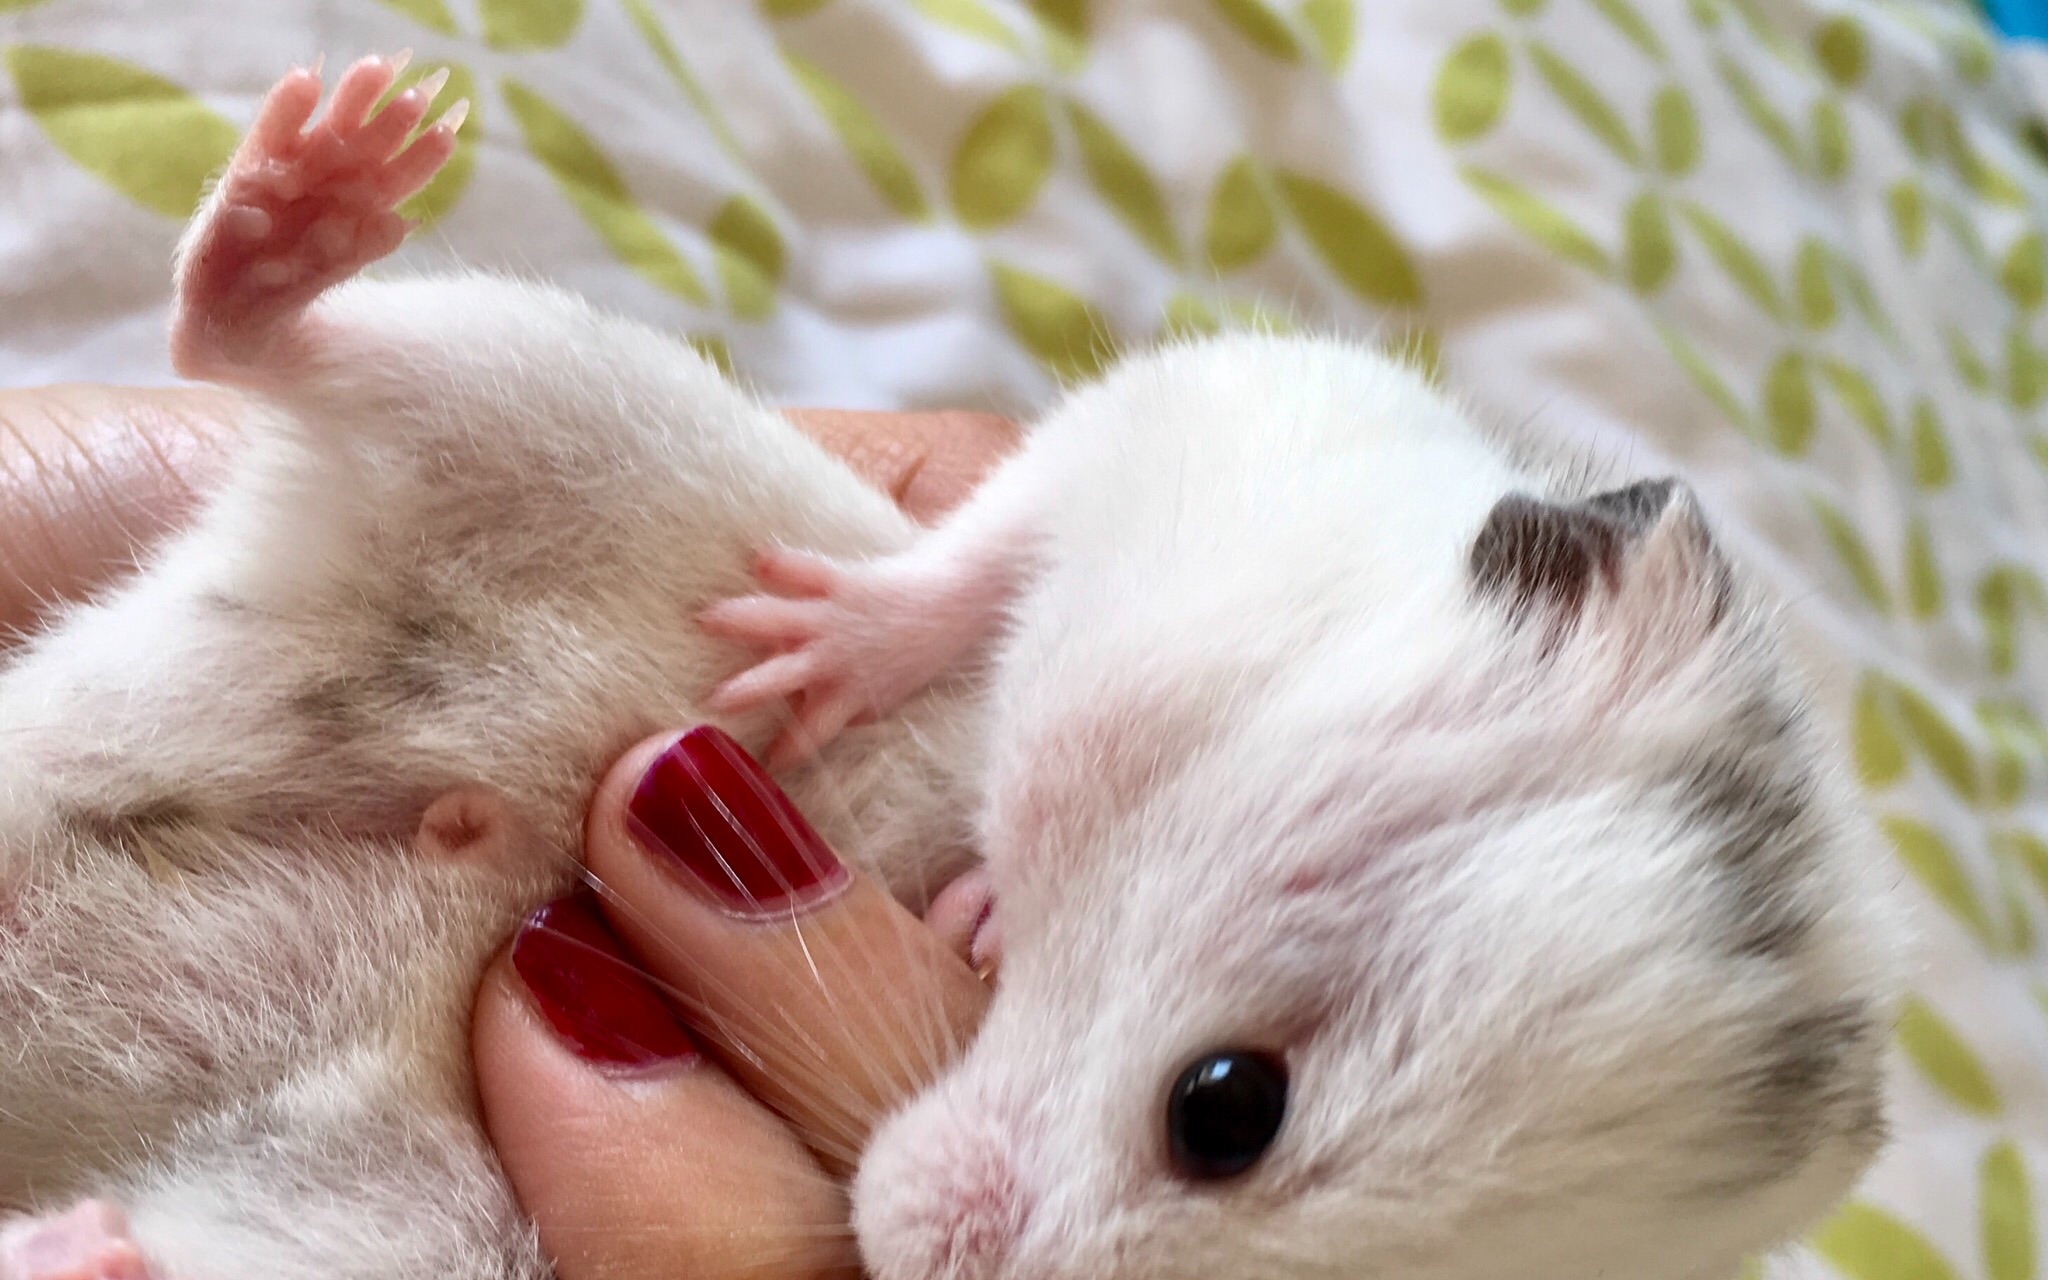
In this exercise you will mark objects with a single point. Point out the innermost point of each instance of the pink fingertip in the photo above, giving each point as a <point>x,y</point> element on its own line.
<point>284,111</point>
<point>714,621</point>
<point>357,91</point>
<point>247,222</point>
<point>795,571</point>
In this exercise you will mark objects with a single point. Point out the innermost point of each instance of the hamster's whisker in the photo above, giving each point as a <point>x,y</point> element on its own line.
<point>922,1042</point>
<point>698,1008</point>
<point>923,1021</point>
<point>771,1264</point>
<point>741,1023</point>
<point>870,1053</point>
<point>936,1042</point>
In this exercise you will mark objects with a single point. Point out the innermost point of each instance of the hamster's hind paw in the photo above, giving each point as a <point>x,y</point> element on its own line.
<point>849,642</point>
<point>89,1241</point>
<point>305,203</point>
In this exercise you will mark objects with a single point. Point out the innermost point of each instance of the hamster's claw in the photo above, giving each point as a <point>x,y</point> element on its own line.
<point>823,707</point>
<point>280,123</point>
<point>357,91</point>
<point>784,676</point>
<point>387,131</point>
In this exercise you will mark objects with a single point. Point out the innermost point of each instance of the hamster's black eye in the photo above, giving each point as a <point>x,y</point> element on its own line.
<point>1224,1111</point>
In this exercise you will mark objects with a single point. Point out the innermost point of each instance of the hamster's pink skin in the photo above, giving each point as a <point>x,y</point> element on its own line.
<point>89,1241</point>
<point>1288,711</point>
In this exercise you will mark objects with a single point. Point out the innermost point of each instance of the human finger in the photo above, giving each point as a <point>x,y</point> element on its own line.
<point>823,996</point>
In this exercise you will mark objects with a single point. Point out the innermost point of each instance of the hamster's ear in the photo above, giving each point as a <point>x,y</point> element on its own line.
<point>1640,557</point>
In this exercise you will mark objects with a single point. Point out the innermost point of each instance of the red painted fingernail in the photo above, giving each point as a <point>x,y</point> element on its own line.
<point>595,998</point>
<point>708,808</point>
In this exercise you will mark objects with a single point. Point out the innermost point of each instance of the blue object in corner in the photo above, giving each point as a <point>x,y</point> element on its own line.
<point>2018,19</point>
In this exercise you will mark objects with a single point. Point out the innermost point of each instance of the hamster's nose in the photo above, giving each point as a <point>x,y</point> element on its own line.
<point>939,1196</point>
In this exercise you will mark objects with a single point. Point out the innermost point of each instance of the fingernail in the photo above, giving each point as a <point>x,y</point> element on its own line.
<point>707,808</point>
<point>590,993</point>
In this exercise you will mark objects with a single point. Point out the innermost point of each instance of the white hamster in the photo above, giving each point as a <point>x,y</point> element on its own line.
<point>1406,861</point>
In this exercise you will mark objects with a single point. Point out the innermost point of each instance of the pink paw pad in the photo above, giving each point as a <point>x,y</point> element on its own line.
<point>87,1242</point>
<point>307,202</point>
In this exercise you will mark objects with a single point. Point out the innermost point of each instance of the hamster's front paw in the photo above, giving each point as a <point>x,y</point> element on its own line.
<point>849,641</point>
<point>86,1242</point>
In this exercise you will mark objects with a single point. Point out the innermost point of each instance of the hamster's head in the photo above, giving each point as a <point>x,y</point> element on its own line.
<point>1517,927</point>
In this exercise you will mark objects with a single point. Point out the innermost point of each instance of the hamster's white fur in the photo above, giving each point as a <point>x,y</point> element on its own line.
<point>1310,721</point>
<point>470,550</point>
<point>1565,921</point>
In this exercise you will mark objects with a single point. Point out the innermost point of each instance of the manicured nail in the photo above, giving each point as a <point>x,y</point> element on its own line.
<point>708,808</point>
<point>590,993</point>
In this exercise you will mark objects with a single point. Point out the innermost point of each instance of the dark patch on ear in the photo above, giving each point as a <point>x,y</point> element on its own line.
<point>1531,552</point>
<point>1756,795</point>
<point>1637,507</point>
<point>1814,1078</point>
<point>1535,553</point>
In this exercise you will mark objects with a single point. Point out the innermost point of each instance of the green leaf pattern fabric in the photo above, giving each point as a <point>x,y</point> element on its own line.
<point>1791,248</point>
